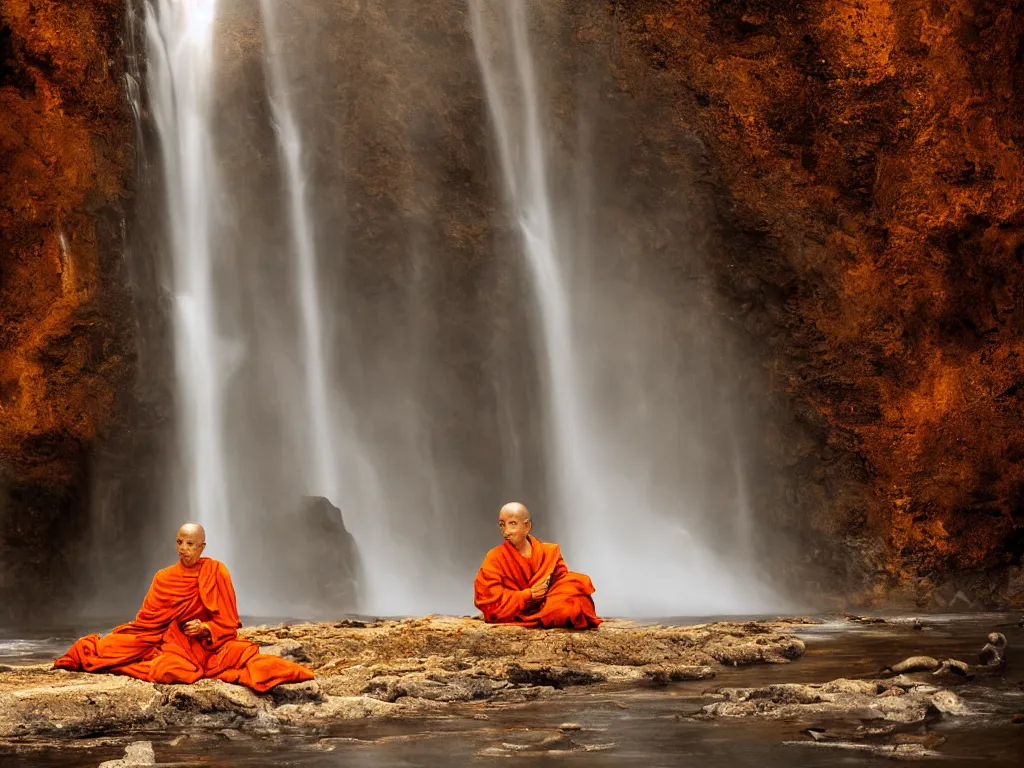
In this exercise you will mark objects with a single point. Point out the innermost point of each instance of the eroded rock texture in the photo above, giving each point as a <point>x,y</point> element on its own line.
<point>65,338</point>
<point>870,162</point>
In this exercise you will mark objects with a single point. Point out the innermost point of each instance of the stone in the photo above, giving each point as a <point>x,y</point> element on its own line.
<point>992,654</point>
<point>135,754</point>
<point>915,664</point>
<point>867,700</point>
<point>320,558</point>
<point>948,703</point>
<point>956,667</point>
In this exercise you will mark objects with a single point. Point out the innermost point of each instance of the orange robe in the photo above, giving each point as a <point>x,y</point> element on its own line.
<point>154,647</point>
<point>502,589</point>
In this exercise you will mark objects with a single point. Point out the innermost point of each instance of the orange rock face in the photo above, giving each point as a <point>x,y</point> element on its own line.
<point>874,149</point>
<point>65,150</point>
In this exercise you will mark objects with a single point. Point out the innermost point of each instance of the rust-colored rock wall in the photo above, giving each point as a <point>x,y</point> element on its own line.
<point>869,154</point>
<point>65,339</point>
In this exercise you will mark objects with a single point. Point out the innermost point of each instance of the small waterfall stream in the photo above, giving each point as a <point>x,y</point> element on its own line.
<point>180,37</point>
<point>323,479</point>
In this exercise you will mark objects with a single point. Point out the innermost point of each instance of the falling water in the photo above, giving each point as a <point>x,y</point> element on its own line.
<point>323,481</point>
<point>180,78</point>
<point>644,546</point>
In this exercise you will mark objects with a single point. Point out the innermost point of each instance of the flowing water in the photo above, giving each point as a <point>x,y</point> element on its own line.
<point>181,85</point>
<point>351,319</point>
<point>649,726</point>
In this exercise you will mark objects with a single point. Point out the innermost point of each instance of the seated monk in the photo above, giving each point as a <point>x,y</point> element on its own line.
<point>186,630</point>
<point>526,582</point>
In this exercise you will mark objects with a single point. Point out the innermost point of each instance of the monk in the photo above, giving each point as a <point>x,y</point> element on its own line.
<point>186,630</point>
<point>526,582</point>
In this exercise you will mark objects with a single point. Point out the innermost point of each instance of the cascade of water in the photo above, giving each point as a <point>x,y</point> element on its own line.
<point>323,480</point>
<point>179,37</point>
<point>641,544</point>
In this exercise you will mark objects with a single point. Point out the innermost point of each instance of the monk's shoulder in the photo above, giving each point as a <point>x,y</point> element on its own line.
<point>215,566</point>
<point>549,547</point>
<point>166,573</point>
<point>495,554</point>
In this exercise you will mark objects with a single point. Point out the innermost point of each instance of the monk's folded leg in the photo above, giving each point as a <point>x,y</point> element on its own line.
<point>111,653</point>
<point>569,604</point>
<point>262,672</point>
<point>168,667</point>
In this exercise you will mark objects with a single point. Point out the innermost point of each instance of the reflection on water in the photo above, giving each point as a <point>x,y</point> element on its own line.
<point>649,727</point>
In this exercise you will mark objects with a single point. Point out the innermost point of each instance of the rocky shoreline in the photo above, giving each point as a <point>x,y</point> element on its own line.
<point>391,669</point>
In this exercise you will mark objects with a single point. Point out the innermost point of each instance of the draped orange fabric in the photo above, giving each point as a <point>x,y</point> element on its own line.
<point>502,589</point>
<point>154,647</point>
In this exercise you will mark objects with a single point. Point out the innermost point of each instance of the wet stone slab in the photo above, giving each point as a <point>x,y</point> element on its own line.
<point>411,668</point>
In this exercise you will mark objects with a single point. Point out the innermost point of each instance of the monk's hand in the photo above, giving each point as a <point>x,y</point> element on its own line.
<point>539,591</point>
<point>195,628</point>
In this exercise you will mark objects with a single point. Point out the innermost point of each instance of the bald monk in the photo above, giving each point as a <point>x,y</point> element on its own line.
<point>186,630</point>
<point>526,582</point>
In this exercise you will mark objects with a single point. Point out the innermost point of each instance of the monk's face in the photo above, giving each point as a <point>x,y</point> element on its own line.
<point>514,526</point>
<point>191,542</point>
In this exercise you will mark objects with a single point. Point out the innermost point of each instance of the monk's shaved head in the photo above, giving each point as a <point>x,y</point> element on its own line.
<point>517,509</point>
<point>194,530</point>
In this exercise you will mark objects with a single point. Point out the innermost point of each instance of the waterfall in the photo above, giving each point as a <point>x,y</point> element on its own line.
<point>179,36</point>
<point>323,479</point>
<point>645,541</point>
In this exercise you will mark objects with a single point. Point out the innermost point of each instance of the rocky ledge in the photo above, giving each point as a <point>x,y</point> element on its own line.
<point>409,668</point>
<point>886,717</point>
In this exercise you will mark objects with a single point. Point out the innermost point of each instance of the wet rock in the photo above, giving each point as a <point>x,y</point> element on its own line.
<point>915,664</point>
<point>135,754</point>
<point>993,653</point>
<point>948,703</point>
<point>902,702</point>
<point>1018,719</point>
<point>555,677</point>
<point>212,696</point>
<point>663,674</point>
<point>570,727</point>
<point>955,667</point>
<point>75,705</point>
<point>296,693</point>
<point>531,741</point>
<point>895,751</point>
<point>286,649</point>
